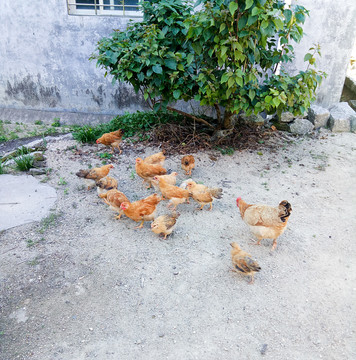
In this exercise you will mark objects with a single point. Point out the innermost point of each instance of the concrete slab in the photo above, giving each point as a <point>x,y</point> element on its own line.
<point>23,199</point>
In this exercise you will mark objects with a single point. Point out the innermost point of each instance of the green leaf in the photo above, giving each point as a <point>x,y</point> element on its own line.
<point>176,94</point>
<point>157,69</point>
<point>231,82</point>
<point>307,57</point>
<point>242,22</point>
<point>268,99</point>
<point>190,58</point>
<point>251,94</point>
<point>249,3</point>
<point>264,24</point>
<point>222,27</point>
<point>234,6</point>
<point>223,50</point>
<point>224,78</point>
<point>171,64</point>
<point>239,80</point>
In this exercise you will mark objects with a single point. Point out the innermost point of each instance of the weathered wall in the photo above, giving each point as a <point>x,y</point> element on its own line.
<point>44,57</point>
<point>44,60</point>
<point>332,24</point>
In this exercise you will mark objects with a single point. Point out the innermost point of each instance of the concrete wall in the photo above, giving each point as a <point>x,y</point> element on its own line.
<point>44,58</point>
<point>332,24</point>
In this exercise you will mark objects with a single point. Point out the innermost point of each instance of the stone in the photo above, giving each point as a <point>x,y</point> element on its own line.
<point>253,119</point>
<point>38,156</point>
<point>32,203</point>
<point>341,117</point>
<point>352,103</point>
<point>301,126</point>
<point>287,117</point>
<point>318,116</point>
<point>37,171</point>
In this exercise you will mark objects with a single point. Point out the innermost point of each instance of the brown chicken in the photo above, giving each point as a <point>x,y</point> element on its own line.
<point>202,194</point>
<point>170,179</point>
<point>164,224</point>
<point>92,175</point>
<point>243,263</point>
<point>265,222</point>
<point>148,171</point>
<point>141,210</point>
<point>112,139</point>
<point>175,194</point>
<point>105,184</point>
<point>114,198</point>
<point>188,164</point>
<point>155,159</point>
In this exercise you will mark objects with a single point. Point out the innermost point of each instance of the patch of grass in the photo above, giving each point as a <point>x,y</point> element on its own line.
<point>22,151</point>
<point>132,176</point>
<point>30,243</point>
<point>62,181</point>
<point>24,162</point>
<point>226,150</point>
<point>49,221</point>
<point>66,191</point>
<point>33,262</point>
<point>38,122</point>
<point>137,123</point>
<point>2,168</point>
<point>86,134</point>
<point>56,122</point>
<point>105,155</point>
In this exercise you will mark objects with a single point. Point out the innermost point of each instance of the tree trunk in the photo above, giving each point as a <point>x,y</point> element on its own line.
<point>229,120</point>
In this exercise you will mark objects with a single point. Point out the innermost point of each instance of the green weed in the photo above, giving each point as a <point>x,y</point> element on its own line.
<point>24,162</point>
<point>62,181</point>
<point>105,155</point>
<point>56,122</point>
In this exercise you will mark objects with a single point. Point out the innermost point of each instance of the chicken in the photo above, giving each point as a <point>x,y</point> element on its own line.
<point>155,159</point>
<point>175,194</point>
<point>243,263</point>
<point>169,179</point>
<point>92,175</point>
<point>148,171</point>
<point>112,139</point>
<point>105,184</point>
<point>188,164</point>
<point>164,224</point>
<point>114,198</point>
<point>265,222</point>
<point>141,210</point>
<point>202,194</point>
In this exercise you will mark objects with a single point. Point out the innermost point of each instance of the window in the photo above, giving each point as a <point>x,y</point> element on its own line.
<point>128,8</point>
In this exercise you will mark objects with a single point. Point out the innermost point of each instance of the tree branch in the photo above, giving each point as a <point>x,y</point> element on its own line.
<point>190,116</point>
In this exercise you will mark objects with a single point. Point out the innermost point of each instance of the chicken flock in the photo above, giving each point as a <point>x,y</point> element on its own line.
<point>265,222</point>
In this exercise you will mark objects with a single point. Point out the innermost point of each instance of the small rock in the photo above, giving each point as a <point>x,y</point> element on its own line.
<point>263,349</point>
<point>256,120</point>
<point>37,171</point>
<point>342,118</point>
<point>38,156</point>
<point>352,104</point>
<point>318,116</point>
<point>301,126</point>
<point>286,117</point>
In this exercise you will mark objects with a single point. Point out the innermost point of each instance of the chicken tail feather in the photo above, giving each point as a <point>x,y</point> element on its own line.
<point>216,193</point>
<point>82,173</point>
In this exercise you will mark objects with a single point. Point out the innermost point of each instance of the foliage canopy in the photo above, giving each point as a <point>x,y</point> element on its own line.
<point>229,53</point>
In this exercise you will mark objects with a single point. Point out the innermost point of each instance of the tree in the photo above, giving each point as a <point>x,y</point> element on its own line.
<point>227,54</point>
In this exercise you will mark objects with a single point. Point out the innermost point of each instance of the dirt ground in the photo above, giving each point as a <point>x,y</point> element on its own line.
<point>82,285</point>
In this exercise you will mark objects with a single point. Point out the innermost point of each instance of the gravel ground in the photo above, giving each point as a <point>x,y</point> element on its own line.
<point>82,285</point>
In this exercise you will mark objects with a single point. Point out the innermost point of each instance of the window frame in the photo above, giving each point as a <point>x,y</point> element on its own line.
<point>98,9</point>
